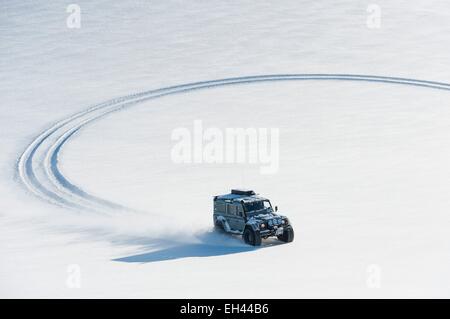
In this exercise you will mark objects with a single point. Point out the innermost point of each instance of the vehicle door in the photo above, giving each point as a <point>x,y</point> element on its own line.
<point>240,218</point>
<point>234,218</point>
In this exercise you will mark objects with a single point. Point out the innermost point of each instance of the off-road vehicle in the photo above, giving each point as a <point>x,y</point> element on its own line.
<point>244,212</point>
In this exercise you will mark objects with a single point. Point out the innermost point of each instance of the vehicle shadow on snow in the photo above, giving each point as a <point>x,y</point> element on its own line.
<point>208,244</point>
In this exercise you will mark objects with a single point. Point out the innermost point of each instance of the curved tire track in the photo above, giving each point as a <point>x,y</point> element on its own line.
<point>38,165</point>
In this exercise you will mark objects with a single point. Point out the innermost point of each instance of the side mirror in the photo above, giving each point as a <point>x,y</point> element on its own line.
<point>276,208</point>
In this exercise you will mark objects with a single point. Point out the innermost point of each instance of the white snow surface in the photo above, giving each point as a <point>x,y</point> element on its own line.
<point>363,176</point>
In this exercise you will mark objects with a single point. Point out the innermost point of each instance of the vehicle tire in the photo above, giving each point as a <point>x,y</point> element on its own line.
<point>288,235</point>
<point>218,226</point>
<point>251,237</point>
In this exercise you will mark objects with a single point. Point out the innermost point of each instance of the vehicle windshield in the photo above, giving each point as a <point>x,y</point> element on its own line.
<point>257,206</point>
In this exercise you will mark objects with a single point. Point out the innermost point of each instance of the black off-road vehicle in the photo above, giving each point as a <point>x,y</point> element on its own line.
<point>244,212</point>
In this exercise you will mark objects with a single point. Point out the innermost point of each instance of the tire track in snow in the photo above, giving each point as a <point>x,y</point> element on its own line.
<point>38,167</point>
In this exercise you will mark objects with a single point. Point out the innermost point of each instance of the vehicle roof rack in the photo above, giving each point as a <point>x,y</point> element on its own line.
<point>245,192</point>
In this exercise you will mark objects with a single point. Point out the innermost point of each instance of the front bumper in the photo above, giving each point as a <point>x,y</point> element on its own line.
<point>274,231</point>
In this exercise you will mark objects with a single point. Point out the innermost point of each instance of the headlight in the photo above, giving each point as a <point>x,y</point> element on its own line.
<point>262,225</point>
<point>283,221</point>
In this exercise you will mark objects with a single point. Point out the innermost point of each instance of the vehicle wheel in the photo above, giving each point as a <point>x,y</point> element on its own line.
<point>288,235</point>
<point>218,226</point>
<point>251,237</point>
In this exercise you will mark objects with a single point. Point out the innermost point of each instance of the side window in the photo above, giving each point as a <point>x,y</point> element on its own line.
<point>220,207</point>
<point>231,209</point>
<point>240,210</point>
